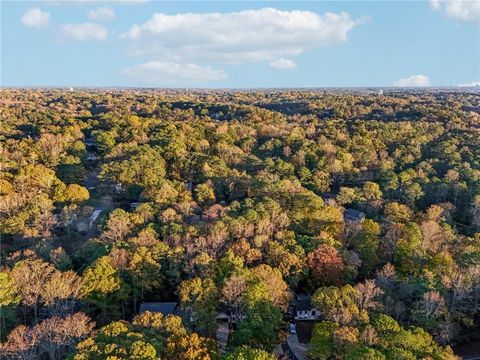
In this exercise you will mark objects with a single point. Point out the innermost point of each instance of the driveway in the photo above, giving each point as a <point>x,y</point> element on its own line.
<point>222,337</point>
<point>299,350</point>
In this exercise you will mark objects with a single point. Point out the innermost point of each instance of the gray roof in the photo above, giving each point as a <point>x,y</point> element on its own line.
<point>353,215</point>
<point>166,308</point>
<point>302,302</point>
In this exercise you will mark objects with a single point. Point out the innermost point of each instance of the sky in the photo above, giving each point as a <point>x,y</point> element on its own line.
<point>240,44</point>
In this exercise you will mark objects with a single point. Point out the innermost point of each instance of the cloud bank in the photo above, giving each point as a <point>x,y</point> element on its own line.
<point>413,81</point>
<point>188,41</point>
<point>251,35</point>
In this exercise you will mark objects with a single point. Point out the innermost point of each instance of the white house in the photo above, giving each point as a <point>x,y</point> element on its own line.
<point>303,309</point>
<point>307,314</point>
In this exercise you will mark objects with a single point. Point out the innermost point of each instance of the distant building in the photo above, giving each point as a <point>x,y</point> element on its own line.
<point>352,215</point>
<point>303,309</point>
<point>134,205</point>
<point>229,317</point>
<point>380,92</point>
<point>165,308</point>
<point>92,156</point>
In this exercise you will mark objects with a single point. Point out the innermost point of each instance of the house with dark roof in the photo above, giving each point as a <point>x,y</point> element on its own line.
<point>165,308</point>
<point>303,309</point>
<point>352,215</point>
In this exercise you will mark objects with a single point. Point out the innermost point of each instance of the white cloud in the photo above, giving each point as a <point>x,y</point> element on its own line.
<point>251,35</point>
<point>85,31</point>
<point>459,10</point>
<point>413,81</point>
<point>282,64</point>
<point>35,18</point>
<point>160,73</point>
<point>470,84</point>
<point>435,4</point>
<point>101,14</point>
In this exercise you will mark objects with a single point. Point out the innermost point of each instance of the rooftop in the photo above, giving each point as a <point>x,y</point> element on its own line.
<point>353,215</point>
<point>303,302</point>
<point>166,308</point>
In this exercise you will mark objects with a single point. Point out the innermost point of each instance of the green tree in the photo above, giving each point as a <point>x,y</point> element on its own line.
<point>260,327</point>
<point>75,193</point>
<point>348,195</point>
<point>100,279</point>
<point>408,255</point>
<point>340,304</point>
<point>322,344</point>
<point>364,353</point>
<point>145,270</point>
<point>371,191</point>
<point>199,298</point>
<point>245,352</point>
<point>205,194</point>
<point>8,297</point>
<point>8,290</point>
<point>366,243</point>
<point>103,286</point>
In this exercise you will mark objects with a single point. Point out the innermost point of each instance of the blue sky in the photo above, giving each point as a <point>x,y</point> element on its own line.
<point>240,44</point>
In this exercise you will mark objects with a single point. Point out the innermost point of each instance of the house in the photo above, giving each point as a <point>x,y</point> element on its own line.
<point>165,308</point>
<point>229,317</point>
<point>118,187</point>
<point>352,215</point>
<point>134,205</point>
<point>82,227</point>
<point>329,199</point>
<point>303,309</point>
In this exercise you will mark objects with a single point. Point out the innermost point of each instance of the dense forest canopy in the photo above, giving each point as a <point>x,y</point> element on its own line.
<point>238,203</point>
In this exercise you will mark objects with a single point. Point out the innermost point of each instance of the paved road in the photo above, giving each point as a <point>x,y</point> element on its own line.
<point>92,179</point>
<point>222,337</point>
<point>300,350</point>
